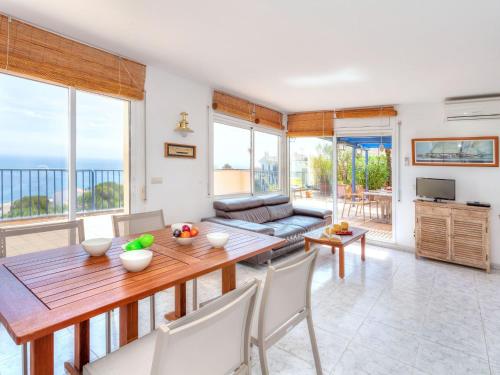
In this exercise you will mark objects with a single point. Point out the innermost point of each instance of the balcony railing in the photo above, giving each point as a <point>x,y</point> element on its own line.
<point>26,193</point>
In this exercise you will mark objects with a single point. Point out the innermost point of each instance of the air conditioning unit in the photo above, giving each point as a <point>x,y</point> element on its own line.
<point>472,109</point>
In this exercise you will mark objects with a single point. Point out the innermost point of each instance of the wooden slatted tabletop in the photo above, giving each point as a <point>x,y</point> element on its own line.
<point>43,292</point>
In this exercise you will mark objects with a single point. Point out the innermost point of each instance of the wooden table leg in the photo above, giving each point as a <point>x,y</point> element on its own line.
<point>129,323</point>
<point>341,261</point>
<point>42,356</point>
<point>307,245</point>
<point>333,249</point>
<point>363,245</point>
<point>180,303</point>
<point>82,348</point>
<point>228,278</point>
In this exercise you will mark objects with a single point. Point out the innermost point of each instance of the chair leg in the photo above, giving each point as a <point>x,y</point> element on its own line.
<point>343,208</point>
<point>152,313</point>
<point>25,359</point>
<point>195,294</point>
<point>314,345</point>
<point>264,369</point>
<point>108,331</point>
<point>363,208</point>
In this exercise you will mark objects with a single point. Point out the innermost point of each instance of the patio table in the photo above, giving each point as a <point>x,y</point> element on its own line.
<point>384,198</point>
<point>41,293</point>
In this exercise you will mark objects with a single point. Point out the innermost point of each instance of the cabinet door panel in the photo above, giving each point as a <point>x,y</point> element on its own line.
<point>433,234</point>
<point>468,241</point>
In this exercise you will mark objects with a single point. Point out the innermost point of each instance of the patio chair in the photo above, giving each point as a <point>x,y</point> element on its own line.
<point>30,238</point>
<point>213,340</point>
<point>124,225</point>
<point>282,303</point>
<point>358,200</point>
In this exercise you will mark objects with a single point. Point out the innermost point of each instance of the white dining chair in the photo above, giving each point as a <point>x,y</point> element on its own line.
<point>31,238</point>
<point>124,225</point>
<point>284,301</point>
<point>213,340</point>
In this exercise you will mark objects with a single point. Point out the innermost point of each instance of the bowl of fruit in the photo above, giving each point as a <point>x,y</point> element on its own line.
<point>140,243</point>
<point>184,233</point>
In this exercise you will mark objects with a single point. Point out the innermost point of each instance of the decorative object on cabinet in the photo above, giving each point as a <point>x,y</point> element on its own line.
<point>453,232</point>
<point>180,151</point>
<point>456,152</point>
<point>183,125</point>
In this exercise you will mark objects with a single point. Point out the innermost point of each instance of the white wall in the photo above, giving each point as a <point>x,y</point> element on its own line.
<point>479,184</point>
<point>183,195</point>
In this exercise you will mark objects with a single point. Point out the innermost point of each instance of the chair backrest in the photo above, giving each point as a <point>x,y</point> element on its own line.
<point>213,340</point>
<point>286,293</point>
<point>30,238</point>
<point>123,225</point>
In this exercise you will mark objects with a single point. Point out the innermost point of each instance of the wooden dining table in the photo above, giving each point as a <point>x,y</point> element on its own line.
<point>43,292</point>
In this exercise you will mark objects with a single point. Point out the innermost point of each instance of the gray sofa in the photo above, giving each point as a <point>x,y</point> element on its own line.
<point>273,215</point>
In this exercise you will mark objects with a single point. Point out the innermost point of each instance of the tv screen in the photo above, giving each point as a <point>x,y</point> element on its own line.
<point>436,188</point>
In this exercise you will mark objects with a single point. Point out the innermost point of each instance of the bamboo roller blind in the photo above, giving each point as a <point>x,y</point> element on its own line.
<point>383,111</point>
<point>32,52</point>
<point>310,124</point>
<point>243,109</point>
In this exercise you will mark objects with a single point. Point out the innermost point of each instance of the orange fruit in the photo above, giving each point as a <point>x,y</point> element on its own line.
<point>185,234</point>
<point>194,232</point>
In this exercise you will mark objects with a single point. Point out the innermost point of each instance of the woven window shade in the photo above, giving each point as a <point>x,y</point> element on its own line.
<point>384,111</point>
<point>28,51</point>
<point>233,106</point>
<point>268,117</point>
<point>311,124</point>
<point>246,110</point>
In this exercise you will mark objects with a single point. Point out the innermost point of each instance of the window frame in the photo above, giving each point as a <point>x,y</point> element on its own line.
<point>252,127</point>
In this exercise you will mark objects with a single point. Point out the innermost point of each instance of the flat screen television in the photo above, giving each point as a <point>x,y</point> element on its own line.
<point>436,188</point>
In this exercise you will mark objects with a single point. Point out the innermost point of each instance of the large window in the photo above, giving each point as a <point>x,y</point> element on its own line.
<point>36,150</point>
<point>246,160</point>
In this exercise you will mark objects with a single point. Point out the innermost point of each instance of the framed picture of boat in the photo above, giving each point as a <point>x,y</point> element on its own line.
<point>456,152</point>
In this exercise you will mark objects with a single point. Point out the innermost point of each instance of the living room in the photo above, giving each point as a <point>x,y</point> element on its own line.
<point>401,71</point>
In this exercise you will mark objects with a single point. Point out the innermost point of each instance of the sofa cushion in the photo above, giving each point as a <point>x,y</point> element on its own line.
<point>291,233</point>
<point>238,204</point>
<point>306,222</point>
<point>274,199</point>
<point>255,215</point>
<point>280,211</point>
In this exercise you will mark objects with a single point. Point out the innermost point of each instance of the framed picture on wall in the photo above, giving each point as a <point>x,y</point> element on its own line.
<point>180,151</point>
<point>456,152</point>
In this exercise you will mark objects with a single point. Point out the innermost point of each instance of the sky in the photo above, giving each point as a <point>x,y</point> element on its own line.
<point>34,122</point>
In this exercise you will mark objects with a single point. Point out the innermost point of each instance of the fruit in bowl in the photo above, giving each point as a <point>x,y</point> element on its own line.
<point>184,234</point>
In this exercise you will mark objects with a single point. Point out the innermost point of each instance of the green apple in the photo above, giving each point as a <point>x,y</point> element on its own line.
<point>146,240</point>
<point>133,245</point>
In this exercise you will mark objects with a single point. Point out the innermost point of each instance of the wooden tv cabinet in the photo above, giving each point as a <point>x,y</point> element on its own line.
<point>453,232</point>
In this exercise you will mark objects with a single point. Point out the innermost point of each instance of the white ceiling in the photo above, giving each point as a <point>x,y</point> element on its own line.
<point>297,54</point>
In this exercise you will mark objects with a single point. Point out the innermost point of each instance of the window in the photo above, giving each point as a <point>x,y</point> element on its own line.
<point>35,152</point>
<point>33,149</point>
<point>232,163</point>
<point>239,168</point>
<point>266,162</point>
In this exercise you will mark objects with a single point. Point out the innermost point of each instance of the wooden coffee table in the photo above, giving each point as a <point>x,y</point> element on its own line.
<point>316,236</point>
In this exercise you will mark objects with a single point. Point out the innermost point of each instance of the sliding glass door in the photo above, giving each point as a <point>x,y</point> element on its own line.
<point>35,150</point>
<point>102,125</point>
<point>311,171</point>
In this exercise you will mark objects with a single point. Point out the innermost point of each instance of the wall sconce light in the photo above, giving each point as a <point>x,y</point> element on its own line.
<point>183,125</point>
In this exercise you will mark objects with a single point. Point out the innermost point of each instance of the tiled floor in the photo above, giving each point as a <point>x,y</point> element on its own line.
<point>392,314</point>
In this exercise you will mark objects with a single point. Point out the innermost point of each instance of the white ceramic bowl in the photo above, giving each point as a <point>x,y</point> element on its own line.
<point>97,246</point>
<point>218,239</point>
<point>184,241</point>
<point>136,260</point>
<point>180,225</point>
